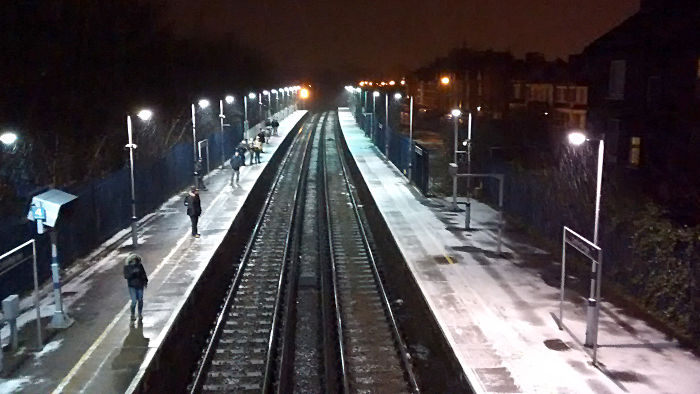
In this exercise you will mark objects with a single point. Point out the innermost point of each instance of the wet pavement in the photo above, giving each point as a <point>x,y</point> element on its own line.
<point>496,310</point>
<point>103,351</point>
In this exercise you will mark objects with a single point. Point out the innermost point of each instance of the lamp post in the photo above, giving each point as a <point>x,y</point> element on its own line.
<point>269,102</point>
<point>203,103</point>
<point>229,100</point>
<point>251,96</point>
<point>386,125</point>
<point>456,113</point>
<point>8,138</point>
<point>375,94</point>
<point>277,101</point>
<point>410,141</point>
<point>260,107</point>
<point>593,312</point>
<point>468,207</point>
<point>145,115</point>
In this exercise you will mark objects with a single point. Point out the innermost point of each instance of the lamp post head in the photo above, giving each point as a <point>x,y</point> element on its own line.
<point>445,80</point>
<point>577,138</point>
<point>392,83</point>
<point>304,93</point>
<point>397,96</point>
<point>274,91</point>
<point>8,138</point>
<point>203,103</point>
<point>456,113</point>
<point>375,94</point>
<point>229,99</point>
<point>266,92</point>
<point>251,96</point>
<point>145,115</point>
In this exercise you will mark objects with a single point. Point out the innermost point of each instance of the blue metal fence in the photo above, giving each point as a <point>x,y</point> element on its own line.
<point>103,207</point>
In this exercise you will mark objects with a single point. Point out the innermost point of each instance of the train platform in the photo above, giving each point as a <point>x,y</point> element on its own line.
<point>496,310</point>
<point>104,351</point>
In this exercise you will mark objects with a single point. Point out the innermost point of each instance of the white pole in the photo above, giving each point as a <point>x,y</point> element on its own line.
<point>599,183</point>
<point>386,125</point>
<point>40,342</point>
<point>468,208</point>
<point>194,144</point>
<point>134,233</point>
<point>221,117</point>
<point>454,178</point>
<point>410,141</point>
<point>245,116</point>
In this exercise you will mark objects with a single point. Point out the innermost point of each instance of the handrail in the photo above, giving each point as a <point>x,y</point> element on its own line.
<point>385,300</point>
<point>220,321</point>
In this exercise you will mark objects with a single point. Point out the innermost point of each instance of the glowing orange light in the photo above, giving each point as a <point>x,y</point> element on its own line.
<point>362,83</point>
<point>370,83</point>
<point>403,82</point>
<point>304,93</point>
<point>445,80</point>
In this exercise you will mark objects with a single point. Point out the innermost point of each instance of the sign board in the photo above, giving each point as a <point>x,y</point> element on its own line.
<point>586,247</point>
<point>39,213</point>
<point>51,203</point>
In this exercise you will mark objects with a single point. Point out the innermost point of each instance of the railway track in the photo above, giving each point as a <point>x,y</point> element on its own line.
<point>306,311</point>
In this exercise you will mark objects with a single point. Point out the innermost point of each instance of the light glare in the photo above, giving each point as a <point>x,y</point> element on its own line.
<point>375,94</point>
<point>577,138</point>
<point>397,96</point>
<point>229,99</point>
<point>251,96</point>
<point>203,103</point>
<point>8,138</point>
<point>456,112</point>
<point>445,80</point>
<point>145,114</point>
<point>304,93</point>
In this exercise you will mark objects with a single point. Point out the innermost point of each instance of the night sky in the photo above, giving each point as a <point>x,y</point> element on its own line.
<point>388,36</point>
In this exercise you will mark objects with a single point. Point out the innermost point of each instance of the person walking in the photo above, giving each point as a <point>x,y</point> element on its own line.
<point>251,148</point>
<point>236,163</point>
<point>242,148</point>
<point>199,173</point>
<point>257,148</point>
<point>136,280</point>
<point>194,209</point>
<point>275,125</point>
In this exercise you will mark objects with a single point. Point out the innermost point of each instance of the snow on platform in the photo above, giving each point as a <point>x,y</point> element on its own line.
<point>103,351</point>
<point>496,312</point>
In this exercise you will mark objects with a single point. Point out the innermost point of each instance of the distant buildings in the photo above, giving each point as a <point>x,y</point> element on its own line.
<point>644,78</point>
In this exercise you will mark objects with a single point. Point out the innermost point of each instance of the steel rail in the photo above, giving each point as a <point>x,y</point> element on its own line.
<point>290,257</point>
<point>334,281</point>
<point>370,256</point>
<point>201,374</point>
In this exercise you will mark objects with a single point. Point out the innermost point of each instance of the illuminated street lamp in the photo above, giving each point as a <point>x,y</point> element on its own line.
<point>203,104</point>
<point>304,93</point>
<point>397,96</point>
<point>229,100</point>
<point>145,115</point>
<point>577,138</point>
<point>8,138</point>
<point>251,96</point>
<point>456,113</point>
<point>374,110</point>
<point>445,80</point>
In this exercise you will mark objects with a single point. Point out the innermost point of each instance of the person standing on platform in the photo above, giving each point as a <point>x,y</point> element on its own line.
<point>194,209</point>
<point>257,148</point>
<point>236,163</point>
<point>136,280</point>
<point>275,125</point>
<point>251,148</point>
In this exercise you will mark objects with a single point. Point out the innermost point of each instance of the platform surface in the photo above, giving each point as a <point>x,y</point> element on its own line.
<point>497,312</point>
<point>103,351</point>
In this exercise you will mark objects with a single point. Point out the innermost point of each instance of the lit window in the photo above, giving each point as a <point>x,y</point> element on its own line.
<point>635,150</point>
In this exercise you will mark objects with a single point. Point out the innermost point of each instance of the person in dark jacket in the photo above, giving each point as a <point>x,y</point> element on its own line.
<point>261,136</point>
<point>137,280</point>
<point>194,209</point>
<point>275,125</point>
<point>236,164</point>
<point>199,174</point>
<point>242,148</point>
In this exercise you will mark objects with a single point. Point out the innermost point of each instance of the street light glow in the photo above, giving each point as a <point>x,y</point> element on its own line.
<point>274,91</point>
<point>375,94</point>
<point>304,93</point>
<point>392,83</point>
<point>8,138</point>
<point>403,82</point>
<point>203,103</point>
<point>145,115</point>
<point>266,92</point>
<point>229,99</point>
<point>397,96</point>
<point>445,80</point>
<point>251,96</point>
<point>456,112</point>
<point>577,138</point>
